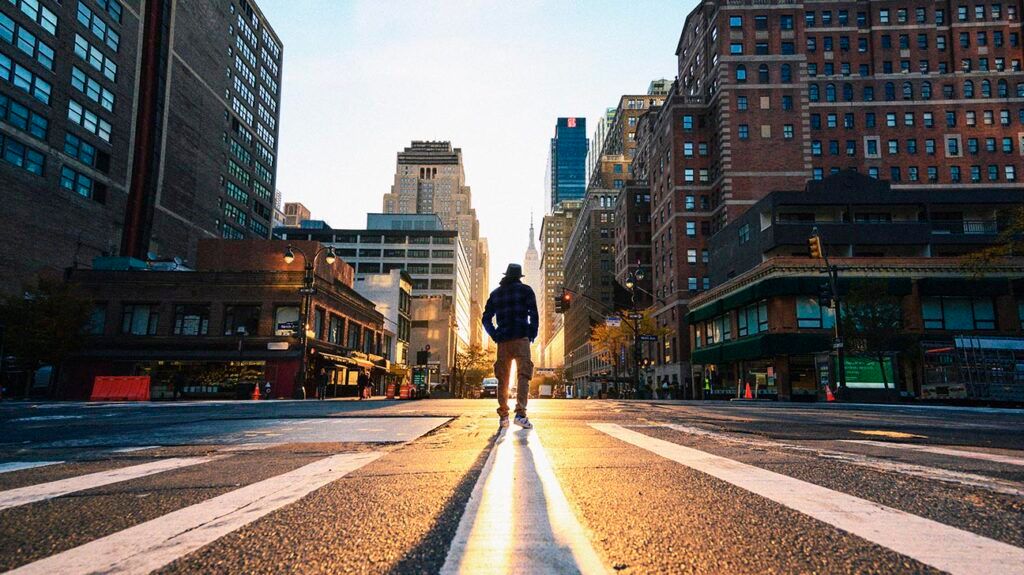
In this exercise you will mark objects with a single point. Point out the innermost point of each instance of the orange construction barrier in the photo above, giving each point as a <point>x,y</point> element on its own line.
<point>120,388</point>
<point>747,394</point>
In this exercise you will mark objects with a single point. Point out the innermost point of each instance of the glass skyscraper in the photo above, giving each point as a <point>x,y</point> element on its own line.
<point>568,161</point>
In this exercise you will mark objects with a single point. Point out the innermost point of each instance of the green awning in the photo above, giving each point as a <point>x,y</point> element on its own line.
<point>763,346</point>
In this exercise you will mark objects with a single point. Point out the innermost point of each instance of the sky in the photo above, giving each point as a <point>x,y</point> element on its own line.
<point>362,79</point>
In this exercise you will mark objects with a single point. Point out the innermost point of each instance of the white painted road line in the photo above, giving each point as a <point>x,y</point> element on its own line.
<point>994,457</point>
<point>43,491</point>
<point>992,484</point>
<point>517,519</point>
<point>153,544</point>
<point>134,449</point>
<point>930,542</point>
<point>19,465</point>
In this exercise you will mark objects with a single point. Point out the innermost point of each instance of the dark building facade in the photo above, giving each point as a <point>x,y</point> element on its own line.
<point>109,163</point>
<point>765,324</point>
<point>567,161</point>
<point>771,94</point>
<point>226,326</point>
<point>589,263</point>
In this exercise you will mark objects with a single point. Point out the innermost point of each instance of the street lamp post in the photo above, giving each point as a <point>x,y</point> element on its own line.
<point>307,290</point>
<point>631,281</point>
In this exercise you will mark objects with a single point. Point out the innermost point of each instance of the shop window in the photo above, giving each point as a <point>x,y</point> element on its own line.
<point>953,313</point>
<point>753,319</point>
<point>811,314</point>
<point>140,319</point>
<point>247,317</point>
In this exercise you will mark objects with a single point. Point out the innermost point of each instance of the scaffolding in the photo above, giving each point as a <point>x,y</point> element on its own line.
<point>974,368</point>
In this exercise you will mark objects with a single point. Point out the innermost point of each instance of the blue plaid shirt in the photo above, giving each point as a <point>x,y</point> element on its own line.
<point>516,308</point>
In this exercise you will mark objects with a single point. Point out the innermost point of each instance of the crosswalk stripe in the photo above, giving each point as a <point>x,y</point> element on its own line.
<point>19,465</point>
<point>995,485</point>
<point>155,543</point>
<point>49,490</point>
<point>517,519</point>
<point>930,542</point>
<point>994,457</point>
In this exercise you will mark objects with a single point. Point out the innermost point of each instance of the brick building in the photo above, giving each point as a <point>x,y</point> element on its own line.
<point>764,322</point>
<point>227,325</point>
<point>589,271</point>
<point>769,95</point>
<point>100,161</point>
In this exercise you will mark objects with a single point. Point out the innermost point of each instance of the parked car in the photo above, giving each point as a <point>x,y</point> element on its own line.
<point>489,388</point>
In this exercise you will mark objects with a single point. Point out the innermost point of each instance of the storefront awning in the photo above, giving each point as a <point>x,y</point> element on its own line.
<point>344,360</point>
<point>762,347</point>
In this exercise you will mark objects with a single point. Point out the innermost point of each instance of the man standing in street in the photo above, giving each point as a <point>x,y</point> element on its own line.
<point>515,307</point>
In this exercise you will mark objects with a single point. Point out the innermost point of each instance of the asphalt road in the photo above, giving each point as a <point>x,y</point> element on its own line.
<point>431,487</point>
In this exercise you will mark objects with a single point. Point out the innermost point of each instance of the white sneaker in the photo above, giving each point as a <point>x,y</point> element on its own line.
<point>524,422</point>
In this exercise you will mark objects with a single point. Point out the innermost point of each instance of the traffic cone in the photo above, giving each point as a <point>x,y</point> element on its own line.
<point>828,394</point>
<point>747,394</point>
<point>256,392</point>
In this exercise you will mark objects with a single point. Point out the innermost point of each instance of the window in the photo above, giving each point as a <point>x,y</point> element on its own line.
<point>140,319</point>
<point>92,89</point>
<point>744,131</point>
<point>687,122</point>
<point>787,103</point>
<point>79,149</point>
<point>18,115</point>
<point>786,21</point>
<point>958,313</point>
<point>95,58</point>
<point>744,233</point>
<point>691,229</point>
<point>811,314</point>
<point>787,131</point>
<point>26,42</point>
<point>191,319</point>
<point>24,80</point>
<point>741,73</point>
<point>22,156</point>
<point>81,184</point>
<point>762,74</point>
<point>735,21</point>
<point>786,74</point>
<point>97,26</point>
<point>741,103</point>
<point>736,48</point>
<point>761,22</point>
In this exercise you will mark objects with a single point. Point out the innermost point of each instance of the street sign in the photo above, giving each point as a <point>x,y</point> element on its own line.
<point>837,344</point>
<point>613,321</point>
<point>636,316</point>
<point>307,290</point>
<point>648,337</point>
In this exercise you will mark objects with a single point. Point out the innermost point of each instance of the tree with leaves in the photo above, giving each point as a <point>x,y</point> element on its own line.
<point>475,363</point>
<point>45,324</point>
<point>1008,244</point>
<point>872,321</point>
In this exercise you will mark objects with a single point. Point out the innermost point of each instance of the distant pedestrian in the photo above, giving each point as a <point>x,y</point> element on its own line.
<point>362,382</point>
<point>514,305</point>
<point>178,383</point>
<point>321,384</point>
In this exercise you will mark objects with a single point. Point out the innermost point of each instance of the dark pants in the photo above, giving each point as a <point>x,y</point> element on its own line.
<point>518,350</point>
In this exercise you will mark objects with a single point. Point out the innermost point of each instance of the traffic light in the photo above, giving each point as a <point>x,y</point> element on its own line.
<point>814,244</point>
<point>825,295</point>
<point>563,302</point>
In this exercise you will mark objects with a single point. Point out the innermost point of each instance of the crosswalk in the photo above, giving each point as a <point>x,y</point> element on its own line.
<point>520,517</point>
